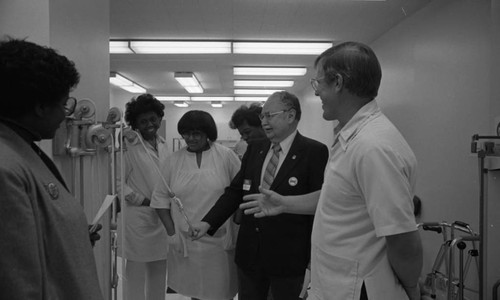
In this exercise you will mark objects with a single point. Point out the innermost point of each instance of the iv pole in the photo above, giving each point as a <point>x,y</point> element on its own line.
<point>489,149</point>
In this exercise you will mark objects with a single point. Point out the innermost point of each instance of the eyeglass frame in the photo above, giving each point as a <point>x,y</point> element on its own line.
<point>269,115</point>
<point>70,106</point>
<point>315,82</point>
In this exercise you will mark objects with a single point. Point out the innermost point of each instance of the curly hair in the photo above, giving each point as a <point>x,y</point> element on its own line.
<point>31,74</point>
<point>142,104</point>
<point>250,115</point>
<point>198,120</point>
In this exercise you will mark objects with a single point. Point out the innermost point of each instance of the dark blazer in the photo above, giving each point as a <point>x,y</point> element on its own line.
<point>279,245</point>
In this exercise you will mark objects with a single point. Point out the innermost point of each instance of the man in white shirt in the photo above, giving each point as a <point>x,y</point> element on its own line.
<point>365,243</point>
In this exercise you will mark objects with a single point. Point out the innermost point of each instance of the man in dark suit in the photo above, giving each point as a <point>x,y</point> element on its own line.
<point>272,253</point>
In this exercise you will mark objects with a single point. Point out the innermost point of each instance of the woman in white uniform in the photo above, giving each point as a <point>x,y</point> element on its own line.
<point>197,174</point>
<point>144,237</point>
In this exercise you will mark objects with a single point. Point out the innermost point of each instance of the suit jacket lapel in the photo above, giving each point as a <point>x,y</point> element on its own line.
<point>291,160</point>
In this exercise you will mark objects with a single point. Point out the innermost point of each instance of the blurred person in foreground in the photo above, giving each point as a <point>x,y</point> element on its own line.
<point>272,253</point>
<point>198,173</point>
<point>45,251</point>
<point>365,243</point>
<point>144,237</point>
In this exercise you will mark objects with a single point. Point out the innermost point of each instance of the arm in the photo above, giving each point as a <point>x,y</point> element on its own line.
<point>404,251</point>
<point>269,203</point>
<point>166,219</point>
<point>132,197</point>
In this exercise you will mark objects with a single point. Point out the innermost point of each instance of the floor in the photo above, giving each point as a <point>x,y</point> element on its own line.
<point>167,296</point>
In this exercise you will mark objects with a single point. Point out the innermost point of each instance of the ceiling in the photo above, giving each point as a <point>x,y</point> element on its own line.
<point>255,20</point>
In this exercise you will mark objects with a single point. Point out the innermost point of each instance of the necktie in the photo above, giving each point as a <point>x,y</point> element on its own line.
<point>271,167</point>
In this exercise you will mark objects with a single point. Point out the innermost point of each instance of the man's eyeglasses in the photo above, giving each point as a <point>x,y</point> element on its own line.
<point>315,82</point>
<point>194,134</point>
<point>69,106</point>
<point>269,115</point>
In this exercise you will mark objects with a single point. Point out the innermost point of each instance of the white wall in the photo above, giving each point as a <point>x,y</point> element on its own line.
<point>436,89</point>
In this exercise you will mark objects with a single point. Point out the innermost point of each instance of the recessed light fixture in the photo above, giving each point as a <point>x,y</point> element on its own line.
<point>287,48</point>
<point>180,104</point>
<point>270,71</point>
<point>121,81</point>
<point>213,98</point>
<point>254,92</point>
<point>119,47</point>
<point>216,104</point>
<point>172,98</point>
<point>250,99</point>
<point>180,47</point>
<point>189,82</point>
<point>263,83</point>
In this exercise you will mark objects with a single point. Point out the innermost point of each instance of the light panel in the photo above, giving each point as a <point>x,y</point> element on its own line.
<point>180,47</point>
<point>125,83</point>
<point>189,82</point>
<point>181,104</point>
<point>119,47</point>
<point>263,83</point>
<point>284,48</point>
<point>270,71</point>
<point>254,92</point>
<point>250,99</point>
<point>172,98</point>
<point>216,104</point>
<point>223,98</point>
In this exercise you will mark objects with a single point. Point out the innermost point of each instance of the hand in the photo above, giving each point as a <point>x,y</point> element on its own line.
<point>93,235</point>
<point>198,230</point>
<point>267,203</point>
<point>175,243</point>
<point>413,292</point>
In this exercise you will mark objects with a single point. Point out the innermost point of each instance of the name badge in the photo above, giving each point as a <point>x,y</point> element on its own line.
<point>247,183</point>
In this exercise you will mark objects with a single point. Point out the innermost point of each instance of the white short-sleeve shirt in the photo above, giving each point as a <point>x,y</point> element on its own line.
<point>367,195</point>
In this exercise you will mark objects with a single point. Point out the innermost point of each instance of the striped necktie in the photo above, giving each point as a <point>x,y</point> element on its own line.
<point>271,167</point>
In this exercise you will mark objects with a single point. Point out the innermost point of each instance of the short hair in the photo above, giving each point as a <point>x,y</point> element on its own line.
<point>31,74</point>
<point>290,101</point>
<point>243,114</point>
<point>198,120</point>
<point>357,64</point>
<point>142,104</point>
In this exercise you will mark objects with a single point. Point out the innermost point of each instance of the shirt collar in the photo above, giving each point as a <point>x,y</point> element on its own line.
<point>286,144</point>
<point>354,125</point>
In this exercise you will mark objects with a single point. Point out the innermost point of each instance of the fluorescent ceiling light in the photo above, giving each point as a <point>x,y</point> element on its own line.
<point>270,71</point>
<point>189,82</point>
<point>212,98</point>
<point>125,83</point>
<point>180,47</point>
<point>250,99</point>
<point>173,98</point>
<point>296,48</point>
<point>135,88</point>
<point>180,104</point>
<point>216,104</point>
<point>263,83</point>
<point>119,47</point>
<point>254,92</point>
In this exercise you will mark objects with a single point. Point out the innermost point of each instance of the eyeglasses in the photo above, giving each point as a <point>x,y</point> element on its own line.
<point>193,134</point>
<point>269,115</point>
<point>69,106</point>
<point>315,83</point>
